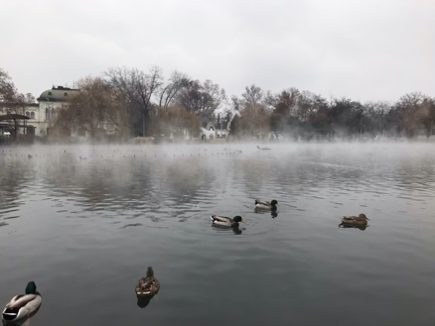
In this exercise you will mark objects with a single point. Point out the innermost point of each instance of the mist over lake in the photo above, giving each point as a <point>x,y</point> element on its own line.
<point>84,222</point>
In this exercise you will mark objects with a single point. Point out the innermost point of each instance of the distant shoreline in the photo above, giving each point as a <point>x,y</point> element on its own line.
<point>418,140</point>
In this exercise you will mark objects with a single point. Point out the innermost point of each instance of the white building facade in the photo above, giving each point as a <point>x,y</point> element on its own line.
<point>42,114</point>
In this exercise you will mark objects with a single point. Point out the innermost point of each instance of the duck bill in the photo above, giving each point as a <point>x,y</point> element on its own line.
<point>242,221</point>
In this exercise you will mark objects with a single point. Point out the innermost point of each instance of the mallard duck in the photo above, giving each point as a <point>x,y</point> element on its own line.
<point>361,219</point>
<point>226,221</point>
<point>265,204</point>
<point>23,305</point>
<point>147,286</point>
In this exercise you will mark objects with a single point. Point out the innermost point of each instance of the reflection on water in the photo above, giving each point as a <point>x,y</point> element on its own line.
<point>272,213</point>
<point>83,229</point>
<point>235,229</point>
<point>142,302</point>
<point>359,227</point>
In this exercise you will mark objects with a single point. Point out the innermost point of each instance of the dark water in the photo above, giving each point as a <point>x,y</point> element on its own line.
<point>86,230</point>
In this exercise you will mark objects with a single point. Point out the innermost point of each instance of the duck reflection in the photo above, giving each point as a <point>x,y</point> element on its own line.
<point>143,302</point>
<point>347,226</point>
<point>273,212</point>
<point>235,228</point>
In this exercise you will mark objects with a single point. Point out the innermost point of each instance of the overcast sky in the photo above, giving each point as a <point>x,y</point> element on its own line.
<point>362,49</point>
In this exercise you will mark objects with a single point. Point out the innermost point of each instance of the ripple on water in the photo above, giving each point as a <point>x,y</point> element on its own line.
<point>131,225</point>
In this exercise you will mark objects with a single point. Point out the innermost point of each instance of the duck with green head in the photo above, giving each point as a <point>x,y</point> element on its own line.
<point>226,221</point>
<point>266,205</point>
<point>23,305</point>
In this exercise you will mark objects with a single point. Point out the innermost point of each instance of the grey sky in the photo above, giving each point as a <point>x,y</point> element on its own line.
<point>362,49</point>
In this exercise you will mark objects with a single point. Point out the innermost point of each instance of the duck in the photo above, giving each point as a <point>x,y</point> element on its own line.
<point>266,205</point>
<point>23,305</point>
<point>361,219</point>
<point>148,286</point>
<point>263,148</point>
<point>226,221</point>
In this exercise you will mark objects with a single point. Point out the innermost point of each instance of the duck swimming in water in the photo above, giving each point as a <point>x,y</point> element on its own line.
<point>226,221</point>
<point>361,219</point>
<point>148,286</point>
<point>266,205</point>
<point>22,305</point>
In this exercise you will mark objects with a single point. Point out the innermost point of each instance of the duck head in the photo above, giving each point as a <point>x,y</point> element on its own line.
<point>238,219</point>
<point>31,288</point>
<point>150,272</point>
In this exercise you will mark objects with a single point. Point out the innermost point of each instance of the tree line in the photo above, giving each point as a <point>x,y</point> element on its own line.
<point>132,102</point>
<point>137,103</point>
<point>304,115</point>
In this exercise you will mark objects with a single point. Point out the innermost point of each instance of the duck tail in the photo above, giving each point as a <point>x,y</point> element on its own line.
<point>10,313</point>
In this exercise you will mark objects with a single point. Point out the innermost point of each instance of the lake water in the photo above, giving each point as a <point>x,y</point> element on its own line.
<point>86,230</point>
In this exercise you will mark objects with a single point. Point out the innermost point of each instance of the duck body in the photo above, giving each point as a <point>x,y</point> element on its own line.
<point>23,305</point>
<point>226,221</point>
<point>266,205</point>
<point>148,286</point>
<point>361,219</point>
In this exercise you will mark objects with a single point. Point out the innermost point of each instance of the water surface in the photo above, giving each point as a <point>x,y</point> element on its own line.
<point>85,230</point>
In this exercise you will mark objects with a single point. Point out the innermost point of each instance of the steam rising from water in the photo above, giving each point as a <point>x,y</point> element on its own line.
<point>146,180</point>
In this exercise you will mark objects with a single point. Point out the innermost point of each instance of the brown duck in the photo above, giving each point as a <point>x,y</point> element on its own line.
<point>361,219</point>
<point>147,286</point>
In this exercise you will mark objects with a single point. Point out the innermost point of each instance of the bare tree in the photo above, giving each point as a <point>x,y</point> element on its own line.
<point>201,99</point>
<point>8,90</point>
<point>254,123</point>
<point>175,120</point>
<point>253,95</point>
<point>10,99</point>
<point>412,110</point>
<point>96,106</point>
<point>138,88</point>
<point>170,91</point>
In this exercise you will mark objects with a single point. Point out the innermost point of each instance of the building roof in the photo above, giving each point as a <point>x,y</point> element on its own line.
<point>58,94</point>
